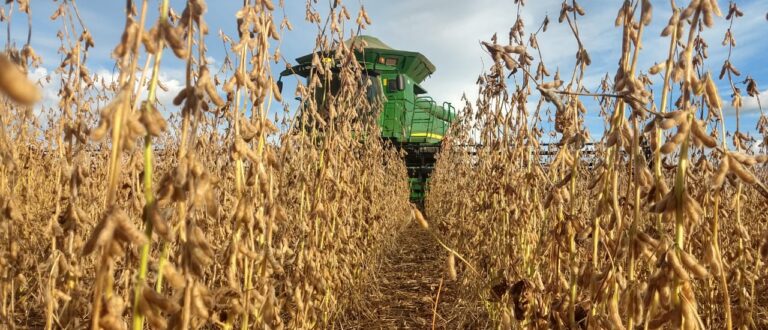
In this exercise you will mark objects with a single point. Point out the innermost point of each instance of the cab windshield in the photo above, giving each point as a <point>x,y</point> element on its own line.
<point>374,91</point>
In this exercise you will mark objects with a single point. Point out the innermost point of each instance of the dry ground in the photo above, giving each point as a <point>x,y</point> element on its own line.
<point>407,286</point>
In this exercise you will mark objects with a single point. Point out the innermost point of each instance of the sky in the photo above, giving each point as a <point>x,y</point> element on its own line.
<point>448,32</point>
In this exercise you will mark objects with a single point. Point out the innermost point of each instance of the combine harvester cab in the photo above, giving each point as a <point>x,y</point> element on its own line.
<point>409,118</point>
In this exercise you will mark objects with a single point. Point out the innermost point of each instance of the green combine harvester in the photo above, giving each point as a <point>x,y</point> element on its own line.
<point>410,119</point>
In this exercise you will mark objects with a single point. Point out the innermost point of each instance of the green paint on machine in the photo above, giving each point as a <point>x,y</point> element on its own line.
<point>409,118</point>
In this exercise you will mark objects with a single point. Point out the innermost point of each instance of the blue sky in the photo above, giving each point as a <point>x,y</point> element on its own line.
<point>446,31</point>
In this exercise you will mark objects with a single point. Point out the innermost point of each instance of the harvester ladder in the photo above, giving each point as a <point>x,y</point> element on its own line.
<point>431,118</point>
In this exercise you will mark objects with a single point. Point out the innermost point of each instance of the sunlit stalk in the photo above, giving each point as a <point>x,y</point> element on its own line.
<point>138,318</point>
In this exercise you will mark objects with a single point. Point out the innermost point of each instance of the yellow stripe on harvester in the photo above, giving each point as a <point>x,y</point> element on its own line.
<point>428,135</point>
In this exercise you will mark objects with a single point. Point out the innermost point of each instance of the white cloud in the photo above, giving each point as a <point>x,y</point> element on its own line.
<point>757,148</point>
<point>751,103</point>
<point>173,85</point>
<point>449,32</point>
<point>165,98</point>
<point>48,88</point>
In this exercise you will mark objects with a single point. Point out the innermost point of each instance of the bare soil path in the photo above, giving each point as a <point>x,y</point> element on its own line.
<point>408,284</point>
